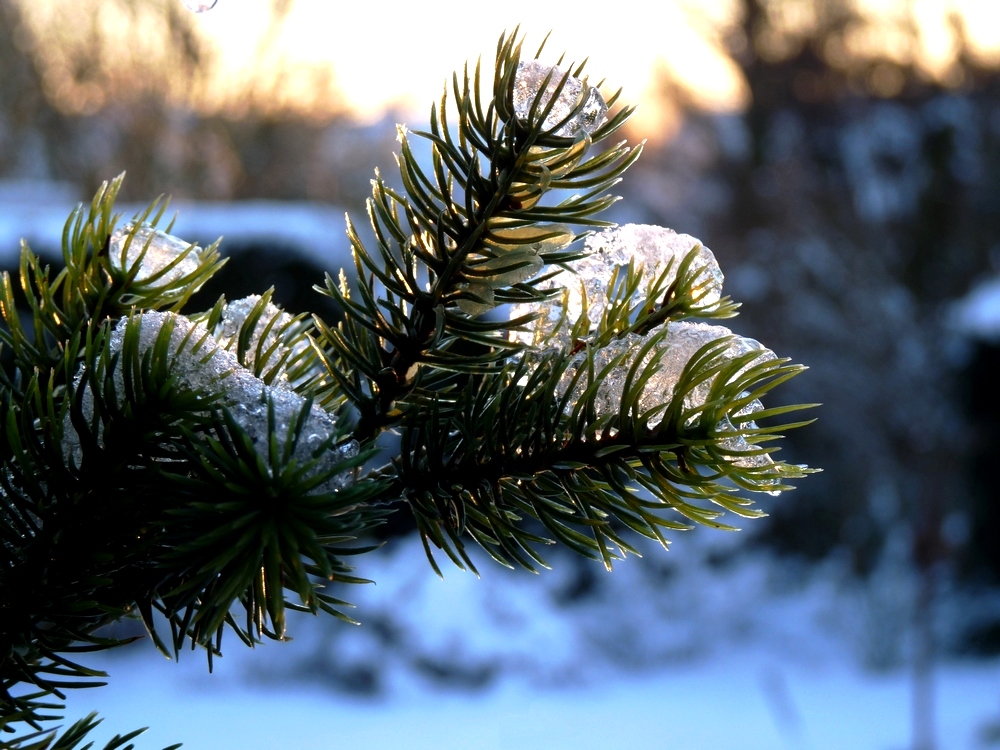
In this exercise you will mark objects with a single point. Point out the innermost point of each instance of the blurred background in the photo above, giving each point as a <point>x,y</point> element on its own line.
<point>842,160</point>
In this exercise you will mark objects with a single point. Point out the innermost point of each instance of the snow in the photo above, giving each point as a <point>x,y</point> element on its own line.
<point>37,211</point>
<point>199,363</point>
<point>978,313</point>
<point>743,701</point>
<point>739,655</point>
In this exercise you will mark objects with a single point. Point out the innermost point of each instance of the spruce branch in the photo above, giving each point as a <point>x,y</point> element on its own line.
<point>71,738</point>
<point>209,471</point>
<point>127,462</point>
<point>534,453</point>
<point>459,237</point>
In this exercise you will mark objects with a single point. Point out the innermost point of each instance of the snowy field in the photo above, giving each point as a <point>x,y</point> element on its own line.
<point>707,646</point>
<point>36,211</point>
<point>742,701</point>
<point>740,656</point>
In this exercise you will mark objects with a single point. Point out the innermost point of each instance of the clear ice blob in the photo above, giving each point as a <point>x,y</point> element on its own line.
<point>673,354</point>
<point>738,443</point>
<point>528,83</point>
<point>658,250</point>
<point>159,255</point>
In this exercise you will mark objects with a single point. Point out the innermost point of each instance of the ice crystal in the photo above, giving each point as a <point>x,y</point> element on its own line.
<point>673,354</point>
<point>163,256</point>
<point>657,249</point>
<point>199,363</point>
<point>528,83</point>
<point>267,339</point>
<point>738,443</point>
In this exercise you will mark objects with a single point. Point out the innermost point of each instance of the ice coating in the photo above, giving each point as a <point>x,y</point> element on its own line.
<point>652,247</point>
<point>198,362</point>
<point>528,82</point>
<point>682,342</point>
<point>161,248</point>
<point>739,443</point>
<point>271,325</point>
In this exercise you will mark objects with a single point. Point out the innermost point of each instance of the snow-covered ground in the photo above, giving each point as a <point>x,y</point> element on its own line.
<point>740,700</point>
<point>707,646</point>
<point>702,647</point>
<point>37,212</point>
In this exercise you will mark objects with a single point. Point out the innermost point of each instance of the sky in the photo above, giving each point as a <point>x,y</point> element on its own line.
<point>627,42</point>
<point>396,55</point>
<point>372,69</point>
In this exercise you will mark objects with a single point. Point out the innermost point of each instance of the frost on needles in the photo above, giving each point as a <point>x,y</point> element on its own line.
<point>552,378</point>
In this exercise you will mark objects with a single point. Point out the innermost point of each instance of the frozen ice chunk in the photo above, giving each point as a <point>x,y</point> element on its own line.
<point>739,443</point>
<point>268,337</point>
<point>673,353</point>
<point>657,249</point>
<point>199,363</point>
<point>683,341</point>
<point>612,381</point>
<point>162,253</point>
<point>528,82</point>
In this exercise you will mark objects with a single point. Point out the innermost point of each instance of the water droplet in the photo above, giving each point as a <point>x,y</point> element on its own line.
<point>199,6</point>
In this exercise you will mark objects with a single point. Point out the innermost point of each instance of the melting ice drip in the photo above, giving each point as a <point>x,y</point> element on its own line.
<point>658,250</point>
<point>528,82</point>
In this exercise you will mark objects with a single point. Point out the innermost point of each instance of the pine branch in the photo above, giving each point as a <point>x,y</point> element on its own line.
<point>204,470</point>
<point>71,738</point>
<point>532,444</point>
<point>137,442</point>
<point>473,227</point>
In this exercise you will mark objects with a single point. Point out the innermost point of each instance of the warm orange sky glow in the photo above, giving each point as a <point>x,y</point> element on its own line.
<point>626,43</point>
<point>363,46</point>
